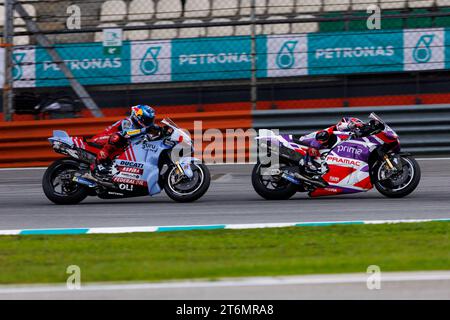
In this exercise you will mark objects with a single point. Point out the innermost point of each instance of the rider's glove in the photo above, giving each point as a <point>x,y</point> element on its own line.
<point>152,129</point>
<point>376,125</point>
<point>373,127</point>
<point>131,133</point>
<point>356,126</point>
<point>357,133</point>
<point>313,152</point>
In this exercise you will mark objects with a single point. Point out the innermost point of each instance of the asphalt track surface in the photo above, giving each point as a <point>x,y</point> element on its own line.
<point>398,285</point>
<point>230,199</point>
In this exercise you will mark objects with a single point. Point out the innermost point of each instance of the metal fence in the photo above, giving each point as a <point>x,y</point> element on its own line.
<point>267,53</point>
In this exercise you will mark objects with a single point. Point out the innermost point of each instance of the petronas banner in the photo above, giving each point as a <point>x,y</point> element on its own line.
<point>88,62</point>
<point>222,58</point>
<point>216,58</point>
<point>357,52</point>
<point>376,51</point>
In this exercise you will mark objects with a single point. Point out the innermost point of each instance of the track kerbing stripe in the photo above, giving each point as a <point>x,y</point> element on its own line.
<point>188,228</point>
<point>112,230</point>
<point>53,231</point>
<point>325,224</point>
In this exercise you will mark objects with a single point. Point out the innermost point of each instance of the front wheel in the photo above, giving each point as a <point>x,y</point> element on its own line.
<point>58,185</point>
<point>400,184</point>
<point>183,189</point>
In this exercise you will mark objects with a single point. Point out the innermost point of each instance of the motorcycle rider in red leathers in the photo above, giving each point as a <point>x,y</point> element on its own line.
<point>114,139</point>
<point>325,139</point>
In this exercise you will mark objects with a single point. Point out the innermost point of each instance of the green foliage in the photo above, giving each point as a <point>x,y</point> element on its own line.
<point>225,253</point>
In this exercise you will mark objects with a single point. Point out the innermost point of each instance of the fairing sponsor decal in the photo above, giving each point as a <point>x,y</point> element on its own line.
<point>126,187</point>
<point>130,170</point>
<point>128,175</point>
<point>140,183</point>
<point>131,164</point>
<point>338,160</point>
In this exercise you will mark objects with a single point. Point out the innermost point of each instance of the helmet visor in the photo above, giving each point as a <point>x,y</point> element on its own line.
<point>148,121</point>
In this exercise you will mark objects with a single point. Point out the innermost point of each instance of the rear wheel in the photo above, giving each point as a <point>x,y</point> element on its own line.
<point>183,189</point>
<point>271,187</point>
<point>58,185</point>
<point>401,184</point>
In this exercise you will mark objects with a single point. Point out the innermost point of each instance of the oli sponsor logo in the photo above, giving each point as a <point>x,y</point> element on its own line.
<point>126,187</point>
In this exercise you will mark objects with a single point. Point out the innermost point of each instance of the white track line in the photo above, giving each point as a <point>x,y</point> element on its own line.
<point>240,282</point>
<point>23,169</point>
<point>431,159</point>
<point>209,164</point>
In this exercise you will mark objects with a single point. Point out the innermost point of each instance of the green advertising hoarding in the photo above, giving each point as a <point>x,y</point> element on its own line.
<point>343,53</point>
<point>216,58</point>
<point>88,63</point>
<point>222,58</point>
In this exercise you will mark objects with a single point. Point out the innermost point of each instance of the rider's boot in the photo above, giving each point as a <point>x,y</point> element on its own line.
<point>310,171</point>
<point>101,170</point>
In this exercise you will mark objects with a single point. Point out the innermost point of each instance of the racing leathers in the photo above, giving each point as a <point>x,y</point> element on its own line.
<point>114,141</point>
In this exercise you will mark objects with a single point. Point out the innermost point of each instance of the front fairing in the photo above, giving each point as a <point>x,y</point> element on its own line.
<point>388,136</point>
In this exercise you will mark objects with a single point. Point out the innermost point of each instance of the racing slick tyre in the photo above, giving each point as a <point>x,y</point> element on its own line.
<point>58,185</point>
<point>184,189</point>
<point>273,188</point>
<point>399,185</point>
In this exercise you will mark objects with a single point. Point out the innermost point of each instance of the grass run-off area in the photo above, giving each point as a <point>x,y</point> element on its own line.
<point>225,253</point>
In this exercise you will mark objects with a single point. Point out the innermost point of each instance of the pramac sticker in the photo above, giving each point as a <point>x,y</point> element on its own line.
<point>344,161</point>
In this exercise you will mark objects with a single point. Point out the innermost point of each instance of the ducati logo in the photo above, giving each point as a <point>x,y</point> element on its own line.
<point>131,164</point>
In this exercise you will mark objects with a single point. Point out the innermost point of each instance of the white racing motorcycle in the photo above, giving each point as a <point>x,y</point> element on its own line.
<point>142,169</point>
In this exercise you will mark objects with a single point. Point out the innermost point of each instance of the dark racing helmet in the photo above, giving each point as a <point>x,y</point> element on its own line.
<point>350,123</point>
<point>323,136</point>
<point>142,115</point>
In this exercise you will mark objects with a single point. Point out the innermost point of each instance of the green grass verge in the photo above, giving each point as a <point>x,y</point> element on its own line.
<point>227,253</point>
